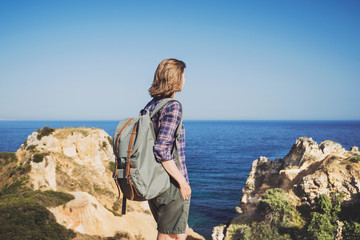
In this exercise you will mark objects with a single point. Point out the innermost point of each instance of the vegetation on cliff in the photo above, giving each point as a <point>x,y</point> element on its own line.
<point>45,131</point>
<point>24,214</point>
<point>276,217</point>
<point>23,211</point>
<point>33,204</point>
<point>310,194</point>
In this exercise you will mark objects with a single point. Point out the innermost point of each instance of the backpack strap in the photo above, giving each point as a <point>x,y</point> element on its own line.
<point>123,208</point>
<point>116,152</point>
<point>128,165</point>
<point>160,106</point>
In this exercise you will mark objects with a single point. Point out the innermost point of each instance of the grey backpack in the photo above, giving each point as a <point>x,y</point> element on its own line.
<point>137,173</point>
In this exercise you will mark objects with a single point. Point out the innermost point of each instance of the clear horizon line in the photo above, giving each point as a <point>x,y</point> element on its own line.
<point>97,120</point>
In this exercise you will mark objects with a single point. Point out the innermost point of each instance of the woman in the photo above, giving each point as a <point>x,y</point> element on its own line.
<point>171,208</point>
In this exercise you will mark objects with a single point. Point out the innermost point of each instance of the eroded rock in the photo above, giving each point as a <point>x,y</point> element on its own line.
<point>308,170</point>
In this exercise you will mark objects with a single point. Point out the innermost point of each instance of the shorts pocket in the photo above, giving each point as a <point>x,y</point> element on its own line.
<point>167,196</point>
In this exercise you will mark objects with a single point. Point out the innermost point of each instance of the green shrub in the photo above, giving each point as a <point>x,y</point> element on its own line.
<point>7,157</point>
<point>324,204</point>
<point>31,148</point>
<point>238,231</point>
<point>264,231</point>
<point>278,209</point>
<point>45,131</point>
<point>351,231</point>
<point>39,157</point>
<point>321,227</point>
<point>30,221</point>
<point>336,201</point>
<point>23,169</point>
<point>355,159</point>
<point>14,187</point>
<point>24,215</point>
<point>275,218</point>
<point>46,198</point>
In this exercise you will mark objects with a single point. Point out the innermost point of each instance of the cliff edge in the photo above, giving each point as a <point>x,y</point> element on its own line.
<point>76,162</point>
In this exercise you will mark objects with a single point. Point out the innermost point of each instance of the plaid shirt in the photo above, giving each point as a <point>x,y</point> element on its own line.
<point>165,124</point>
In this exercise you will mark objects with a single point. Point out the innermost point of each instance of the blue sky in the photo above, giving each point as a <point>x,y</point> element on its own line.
<point>246,60</point>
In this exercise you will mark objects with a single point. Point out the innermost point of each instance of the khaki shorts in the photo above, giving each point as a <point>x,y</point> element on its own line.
<point>170,210</point>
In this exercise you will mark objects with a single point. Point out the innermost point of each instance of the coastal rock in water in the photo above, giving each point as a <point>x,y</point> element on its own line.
<point>218,232</point>
<point>301,171</point>
<point>262,175</point>
<point>194,236</point>
<point>308,170</point>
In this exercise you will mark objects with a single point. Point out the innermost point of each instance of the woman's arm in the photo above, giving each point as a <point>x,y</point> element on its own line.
<point>169,121</point>
<point>174,172</point>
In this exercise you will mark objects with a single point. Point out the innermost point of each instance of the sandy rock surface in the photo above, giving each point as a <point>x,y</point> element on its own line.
<point>77,160</point>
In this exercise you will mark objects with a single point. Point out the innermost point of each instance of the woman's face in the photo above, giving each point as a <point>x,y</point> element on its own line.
<point>182,80</point>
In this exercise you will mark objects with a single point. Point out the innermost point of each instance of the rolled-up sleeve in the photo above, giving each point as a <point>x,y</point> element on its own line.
<point>169,120</point>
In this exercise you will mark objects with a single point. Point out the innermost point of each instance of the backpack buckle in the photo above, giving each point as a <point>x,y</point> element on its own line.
<point>128,179</point>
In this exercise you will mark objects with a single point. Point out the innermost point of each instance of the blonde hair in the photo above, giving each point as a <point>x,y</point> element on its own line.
<point>167,78</point>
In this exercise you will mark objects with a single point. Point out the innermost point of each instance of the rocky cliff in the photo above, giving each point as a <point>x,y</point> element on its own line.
<point>77,161</point>
<point>307,173</point>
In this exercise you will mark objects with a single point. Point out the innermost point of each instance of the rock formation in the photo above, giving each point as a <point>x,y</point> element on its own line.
<point>308,170</point>
<point>78,161</point>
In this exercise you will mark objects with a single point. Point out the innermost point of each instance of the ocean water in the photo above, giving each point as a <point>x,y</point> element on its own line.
<point>218,154</point>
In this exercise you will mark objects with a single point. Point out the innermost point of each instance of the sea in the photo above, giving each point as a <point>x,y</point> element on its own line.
<point>219,155</point>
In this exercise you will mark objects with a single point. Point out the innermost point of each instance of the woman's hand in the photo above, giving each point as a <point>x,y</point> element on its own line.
<point>185,190</point>
<point>173,170</point>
